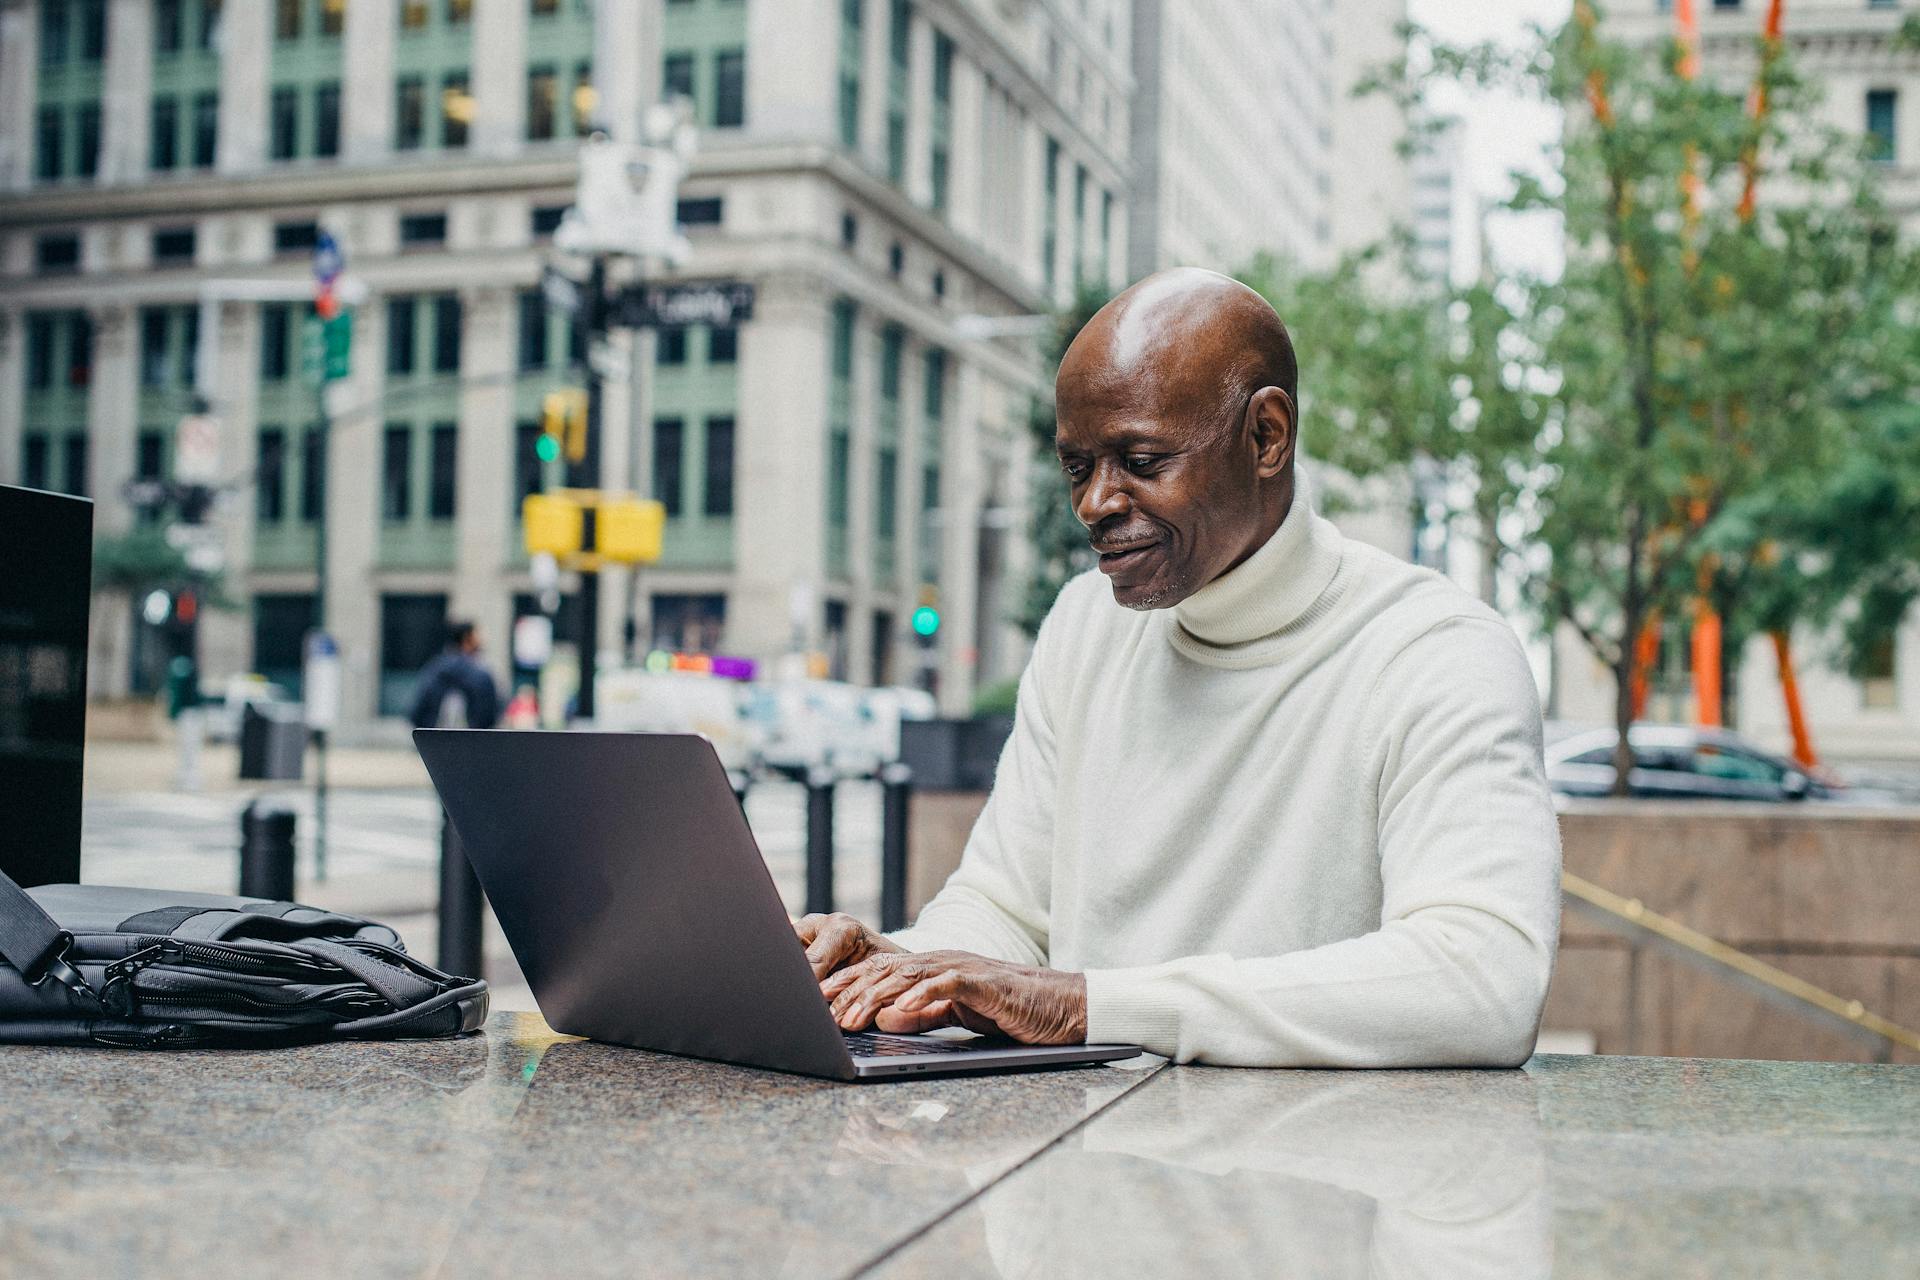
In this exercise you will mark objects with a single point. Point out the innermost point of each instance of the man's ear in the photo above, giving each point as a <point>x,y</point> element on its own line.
<point>1272,424</point>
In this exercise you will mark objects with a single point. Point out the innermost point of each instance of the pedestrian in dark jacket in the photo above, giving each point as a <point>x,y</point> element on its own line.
<point>453,689</point>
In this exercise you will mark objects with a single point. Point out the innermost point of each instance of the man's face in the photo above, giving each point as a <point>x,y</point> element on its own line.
<point>1168,494</point>
<point>471,645</point>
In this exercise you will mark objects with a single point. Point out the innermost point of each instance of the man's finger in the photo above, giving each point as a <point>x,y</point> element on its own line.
<point>949,984</point>
<point>941,1013</point>
<point>877,984</point>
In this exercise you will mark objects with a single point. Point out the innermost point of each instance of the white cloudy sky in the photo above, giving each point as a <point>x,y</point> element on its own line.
<point>1503,132</point>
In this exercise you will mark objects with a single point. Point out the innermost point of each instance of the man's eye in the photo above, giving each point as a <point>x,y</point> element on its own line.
<point>1142,463</point>
<point>1075,471</point>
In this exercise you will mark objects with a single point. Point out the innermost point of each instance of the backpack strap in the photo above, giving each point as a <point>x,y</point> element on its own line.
<point>32,943</point>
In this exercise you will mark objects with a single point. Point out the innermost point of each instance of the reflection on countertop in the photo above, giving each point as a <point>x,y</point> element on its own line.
<point>1222,1172</point>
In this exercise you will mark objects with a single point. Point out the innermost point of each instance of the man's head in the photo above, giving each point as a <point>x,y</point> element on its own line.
<point>1176,431</point>
<point>463,637</point>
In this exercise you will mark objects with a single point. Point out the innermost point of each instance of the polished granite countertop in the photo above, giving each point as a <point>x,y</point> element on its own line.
<point>522,1152</point>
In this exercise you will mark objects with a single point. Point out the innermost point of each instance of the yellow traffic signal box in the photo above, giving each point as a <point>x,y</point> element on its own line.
<point>563,415</point>
<point>553,525</point>
<point>628,530</point>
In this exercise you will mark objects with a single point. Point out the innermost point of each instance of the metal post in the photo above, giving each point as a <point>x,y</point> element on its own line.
<point>820,784</point>
<point>585,474</point>
<point>896,791</point>
<point>266,851</point>
<point>460,906</point>
<point>323,426</point>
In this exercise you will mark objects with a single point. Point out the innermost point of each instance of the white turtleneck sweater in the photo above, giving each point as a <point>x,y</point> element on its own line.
<point>1299,819</point>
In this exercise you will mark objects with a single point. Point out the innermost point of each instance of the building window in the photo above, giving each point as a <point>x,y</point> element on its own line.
<point>87,126</point>
<point>55,33</point>
<point>892,345</point>
<point>839,478</point>
<point>209,25</point>
<point>421,230</point>
<point>49,160</point>
<point>150,456</point>
<point>543,92</point>
<point>412,630</point>
<point>333,17</point>
<point>93,30</point>
<point>400,336</point>
<point>40,339</point>
<point>897,55</point>
<point>276,340</point>
<point>533,329</point>
<point>729,88</point>
<point>313,474</point>
<point>396,470</point>
<point>410,113</point>
<point>1882,140</point>
<point>672,345</point>
<point>936,380</point>
<point>74,454</point>
<point>173,247</point>
<point>546,220</point>
<point>280,626</point>
<point>206,128</point>
<point>849,230</point>
<point>717,499</point>
<point>270,477</point>
<point>676,75</point>
<point>287,16</point>
<point>669,446</point>
<point>459,12</point>
<point>456,109</point>
<point>544,8</point>
<point>295,237</point>
<point>1879,674</point>
<point>36,455</point>
<point>164,141</point>
<point>168,27</point>
<point>850,57</point>
<point>283,123</point>
<point>723,344</point>
<point>886,491</point>
<point>443,456</point>
<point>940,284</point>
<point>56,255</point>
<point>153,347</point>
<point>414,15</point>
<point>702,211</point>
<point>326,119</point>
<point>585,100</point>
<point>446,333</point>
<point>843,316</point>
<point>689,623</point>
<point>896,260</point>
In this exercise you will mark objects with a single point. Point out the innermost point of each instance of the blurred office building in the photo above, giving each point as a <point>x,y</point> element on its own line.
<point>1871,81</point>
<point>891,177</point>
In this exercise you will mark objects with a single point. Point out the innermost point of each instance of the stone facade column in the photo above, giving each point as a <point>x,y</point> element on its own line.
<point>876,22</point>
<point>1034,163</point>
<point>483,466</point>
<point>246,62</point>
<point>353,519</point>
<point>367,105</point>
<point>860,487</point>
<point>963,156</point>
<point>226,635</point>
<point>617,427</point>
<point>626,63</point>
<point>961,485</point>
<point>499,77</point>
<point>19,87</point>
<point>126,95</point>
<point>112,402</point>
<point>780,464</point>
<point>13,382</point>
<point>919,180</point>
<point>793,60</point>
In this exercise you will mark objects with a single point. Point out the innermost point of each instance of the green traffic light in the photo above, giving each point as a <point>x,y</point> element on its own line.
<point>546,448</point>
<point>926,620</point>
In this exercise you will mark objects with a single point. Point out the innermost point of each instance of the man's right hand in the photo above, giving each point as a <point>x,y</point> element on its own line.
<point>838,940</point>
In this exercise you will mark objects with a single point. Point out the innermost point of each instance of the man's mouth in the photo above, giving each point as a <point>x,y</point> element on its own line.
<point>1115,558</point>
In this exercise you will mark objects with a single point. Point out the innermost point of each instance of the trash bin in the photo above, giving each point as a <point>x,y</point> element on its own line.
<point>273,743</point>
<point>954,755</point>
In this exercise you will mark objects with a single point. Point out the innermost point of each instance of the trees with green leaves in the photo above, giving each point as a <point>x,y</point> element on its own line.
<point>1697,400</point>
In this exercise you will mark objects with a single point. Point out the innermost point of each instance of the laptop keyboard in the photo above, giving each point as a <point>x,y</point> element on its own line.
<point>866,1044</point>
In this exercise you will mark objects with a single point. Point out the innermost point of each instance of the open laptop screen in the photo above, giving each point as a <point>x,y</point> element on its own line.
<point>46,562</point>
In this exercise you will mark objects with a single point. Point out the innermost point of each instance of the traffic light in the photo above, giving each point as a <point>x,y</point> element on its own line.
<point>926,621</point>
<point>553,525</point>
<point>563,425</point>
<point>629,530</point>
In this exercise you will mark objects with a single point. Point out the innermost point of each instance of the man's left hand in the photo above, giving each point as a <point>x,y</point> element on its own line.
<point>915,991</point>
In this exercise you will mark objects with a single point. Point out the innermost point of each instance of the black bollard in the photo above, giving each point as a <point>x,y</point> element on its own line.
<point>460,907</point>
<point>896,790</point>
<point>266,851</point>
<point>820,783</point>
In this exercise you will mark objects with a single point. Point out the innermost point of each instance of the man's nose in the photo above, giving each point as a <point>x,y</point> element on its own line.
<point>1103,498</point>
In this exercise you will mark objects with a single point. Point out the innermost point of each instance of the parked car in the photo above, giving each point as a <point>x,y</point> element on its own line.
<point>225,701</point>
<point>1688,762</point>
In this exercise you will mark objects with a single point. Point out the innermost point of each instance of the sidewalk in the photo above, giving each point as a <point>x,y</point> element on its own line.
<point>121,766</point>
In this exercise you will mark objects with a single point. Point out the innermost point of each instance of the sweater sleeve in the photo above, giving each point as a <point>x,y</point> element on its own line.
<point>996,903</point>
<point>1469,850</point>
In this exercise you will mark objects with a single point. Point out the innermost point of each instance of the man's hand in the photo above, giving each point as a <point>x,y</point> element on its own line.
<point>838,940</point>
<point>906,992</point>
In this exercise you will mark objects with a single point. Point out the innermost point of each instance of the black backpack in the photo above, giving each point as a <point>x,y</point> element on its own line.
<point>148,968</point>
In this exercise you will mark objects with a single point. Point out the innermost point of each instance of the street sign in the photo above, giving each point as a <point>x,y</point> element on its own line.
<point>320,681</point>
<point>326,348</point>
<point>196,449</point>
<point>714,302</point>
<point>561,290</point>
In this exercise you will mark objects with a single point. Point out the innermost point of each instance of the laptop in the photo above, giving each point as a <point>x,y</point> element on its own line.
<point>629,885</point>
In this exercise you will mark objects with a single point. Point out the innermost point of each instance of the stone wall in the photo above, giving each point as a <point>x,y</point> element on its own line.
<point>1828,894</point>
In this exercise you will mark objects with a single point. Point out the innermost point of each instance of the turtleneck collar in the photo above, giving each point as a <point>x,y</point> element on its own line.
<point>1271,589</point>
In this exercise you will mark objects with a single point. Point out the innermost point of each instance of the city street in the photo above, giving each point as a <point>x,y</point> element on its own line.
<point>383,843</point>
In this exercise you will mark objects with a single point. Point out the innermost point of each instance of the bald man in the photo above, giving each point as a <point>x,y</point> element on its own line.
<point>1273,798</point>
